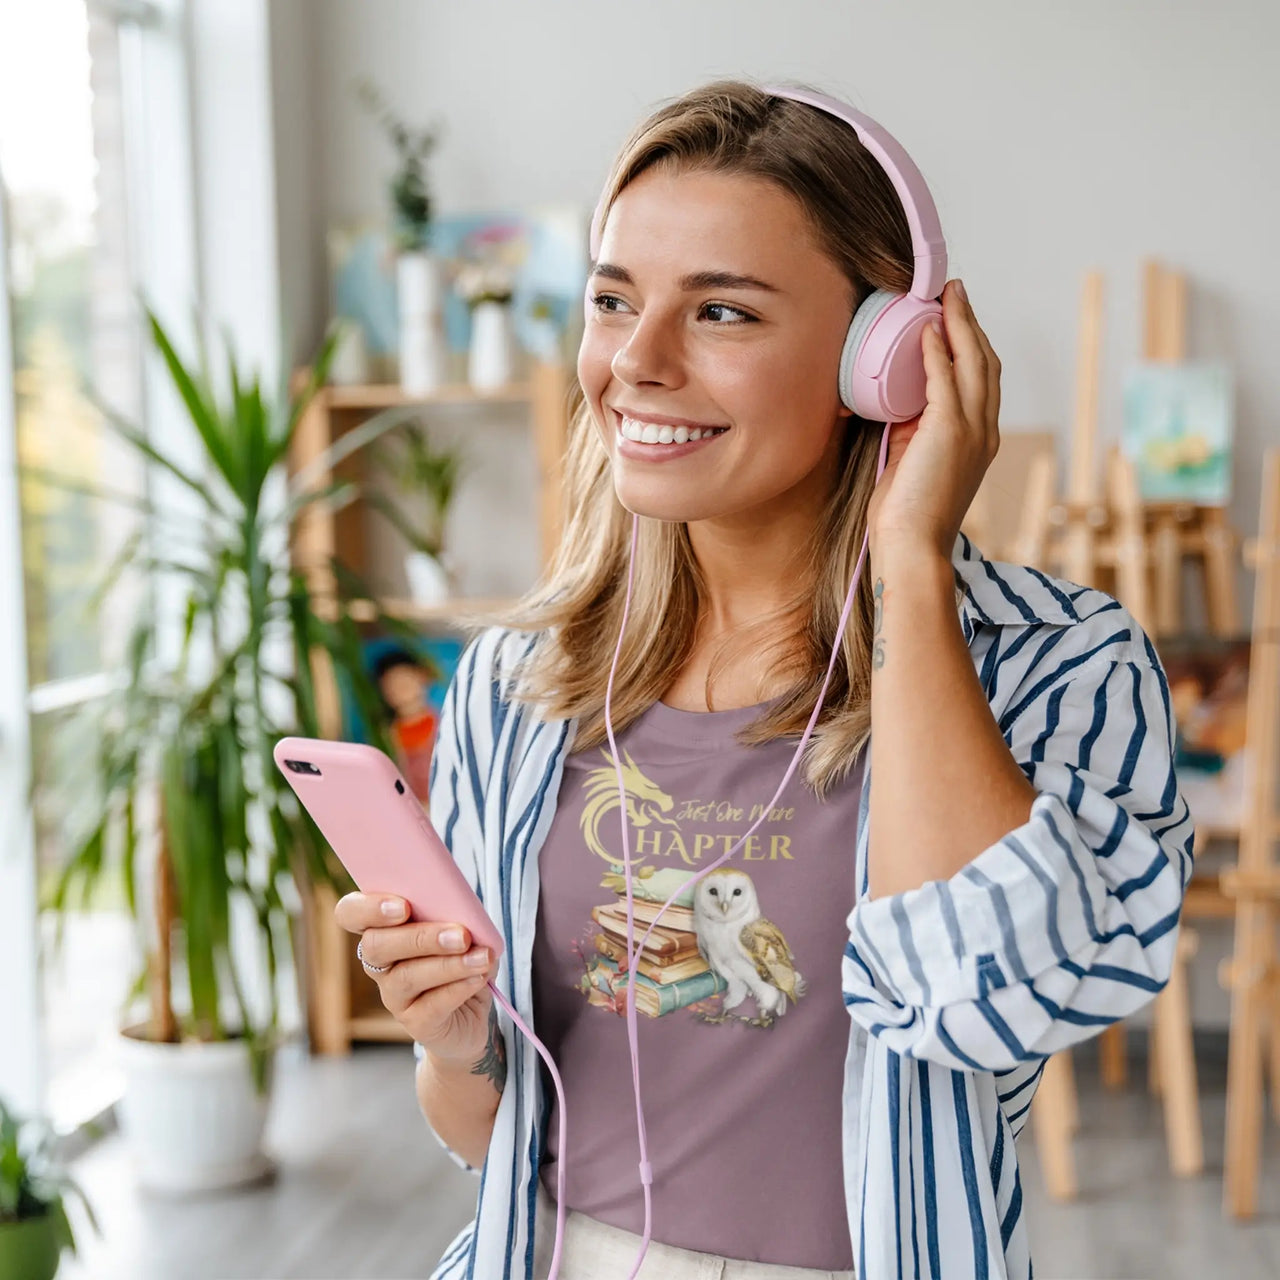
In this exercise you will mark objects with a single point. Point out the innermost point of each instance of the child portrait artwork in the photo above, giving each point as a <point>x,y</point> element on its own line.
<point>411,674</point>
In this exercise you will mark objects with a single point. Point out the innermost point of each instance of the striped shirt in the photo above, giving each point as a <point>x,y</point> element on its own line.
<point>957,991</point>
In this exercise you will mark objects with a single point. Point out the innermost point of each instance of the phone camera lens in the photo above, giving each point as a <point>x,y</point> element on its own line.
<point>399,787</point>
<point>302,766</point>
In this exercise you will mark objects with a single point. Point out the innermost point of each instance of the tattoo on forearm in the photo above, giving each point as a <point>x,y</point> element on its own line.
<point>877,640</point>
<point>494,1062</point>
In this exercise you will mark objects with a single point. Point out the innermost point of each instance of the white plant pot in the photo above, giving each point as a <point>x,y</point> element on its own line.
<point>429,579</point>
<point>423,345</point>
<point>491,357</point>
<point>190,1115</point>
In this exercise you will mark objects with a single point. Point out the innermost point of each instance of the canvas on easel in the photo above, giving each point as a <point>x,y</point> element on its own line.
<point>1177,432</point>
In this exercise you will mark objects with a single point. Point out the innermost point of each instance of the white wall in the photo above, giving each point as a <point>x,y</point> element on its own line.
<point>1055,139</point>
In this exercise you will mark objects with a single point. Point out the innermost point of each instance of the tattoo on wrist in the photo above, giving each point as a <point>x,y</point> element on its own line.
<point>494,1062</point>
<point>877,640</point>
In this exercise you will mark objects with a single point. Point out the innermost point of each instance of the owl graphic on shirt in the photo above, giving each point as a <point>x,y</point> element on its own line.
<point>742,945</point>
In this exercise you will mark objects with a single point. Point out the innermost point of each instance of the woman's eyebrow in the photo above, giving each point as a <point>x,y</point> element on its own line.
<point>693,282</point>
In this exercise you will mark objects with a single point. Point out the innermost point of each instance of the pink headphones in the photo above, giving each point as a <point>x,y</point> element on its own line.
<point>881,366</point>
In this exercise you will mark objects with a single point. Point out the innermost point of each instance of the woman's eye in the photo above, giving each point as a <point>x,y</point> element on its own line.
<point>598,298</point>
<point>743,318</point>
<point>600,301</point>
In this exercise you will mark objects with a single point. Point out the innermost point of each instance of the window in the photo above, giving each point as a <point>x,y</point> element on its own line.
<point>73,105</point>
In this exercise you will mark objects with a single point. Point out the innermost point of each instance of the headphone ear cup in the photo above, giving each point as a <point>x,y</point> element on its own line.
<point>882,375</point>
<point>865,316</point>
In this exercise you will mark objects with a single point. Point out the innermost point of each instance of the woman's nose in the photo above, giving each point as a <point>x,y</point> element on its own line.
<point>650,354</point>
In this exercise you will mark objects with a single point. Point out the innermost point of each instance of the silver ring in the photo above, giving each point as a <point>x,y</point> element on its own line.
<point>371,968</point>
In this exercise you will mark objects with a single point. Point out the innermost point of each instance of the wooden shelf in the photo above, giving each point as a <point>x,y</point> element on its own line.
<point>388,395</point>
<point>339,1005</point>
<point>412,611</point>
<point>377,1026</point>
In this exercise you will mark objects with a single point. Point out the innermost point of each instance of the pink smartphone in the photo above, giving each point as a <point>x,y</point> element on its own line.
<point>381,832</point>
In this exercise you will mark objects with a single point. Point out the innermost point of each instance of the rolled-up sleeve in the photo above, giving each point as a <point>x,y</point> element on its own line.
<point>1069,922</point>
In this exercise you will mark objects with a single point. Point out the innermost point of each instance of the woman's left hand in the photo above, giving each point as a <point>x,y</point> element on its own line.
<point>936,461</point>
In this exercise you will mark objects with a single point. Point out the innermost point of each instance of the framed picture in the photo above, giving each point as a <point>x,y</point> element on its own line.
<point>1208,685</point>
<point>362,284</point>
<point>1178,425</point>
<point>411,676</point>
<point>546,251</point>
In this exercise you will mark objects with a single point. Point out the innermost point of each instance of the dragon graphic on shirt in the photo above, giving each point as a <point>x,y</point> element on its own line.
<point>646,803</point>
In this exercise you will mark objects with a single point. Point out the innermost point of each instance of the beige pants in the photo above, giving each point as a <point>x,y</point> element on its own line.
<point>593,1250</point>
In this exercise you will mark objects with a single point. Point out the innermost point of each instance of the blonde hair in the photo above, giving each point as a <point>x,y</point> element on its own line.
<point>733,127</point>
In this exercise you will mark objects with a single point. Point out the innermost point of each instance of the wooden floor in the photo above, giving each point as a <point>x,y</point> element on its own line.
<point>363,1191</point>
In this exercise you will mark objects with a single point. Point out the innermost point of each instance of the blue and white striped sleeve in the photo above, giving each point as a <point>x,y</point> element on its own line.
<point>1069,922</point>
<point>456,782</point>
<point>454,798</point>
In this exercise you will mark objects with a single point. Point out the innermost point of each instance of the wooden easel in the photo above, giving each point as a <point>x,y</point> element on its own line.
<point>1136,551</point>
<point>1253,975</point>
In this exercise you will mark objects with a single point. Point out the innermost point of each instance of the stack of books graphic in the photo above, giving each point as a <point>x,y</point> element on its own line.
<point>671,972</point>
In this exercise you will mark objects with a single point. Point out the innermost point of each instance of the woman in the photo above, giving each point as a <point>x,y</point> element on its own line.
<point>1010,732</point>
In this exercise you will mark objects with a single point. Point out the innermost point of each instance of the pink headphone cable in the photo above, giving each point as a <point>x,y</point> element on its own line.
<point>633,955</point>
<point>633,951</point>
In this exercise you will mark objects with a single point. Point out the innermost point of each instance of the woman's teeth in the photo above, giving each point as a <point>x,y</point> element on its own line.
<point>651,433</point>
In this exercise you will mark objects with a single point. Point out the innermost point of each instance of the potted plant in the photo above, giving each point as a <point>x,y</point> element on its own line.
<point>182,780</point>
<point>34,1228</point>
<point>428,477</point>
<point>419,286</point>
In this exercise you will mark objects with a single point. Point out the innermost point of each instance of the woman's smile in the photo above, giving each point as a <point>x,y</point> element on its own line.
<point>653,442</point>
<point>647,440</point>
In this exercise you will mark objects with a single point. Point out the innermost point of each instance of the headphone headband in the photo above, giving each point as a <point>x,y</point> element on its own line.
<point>928,247</point>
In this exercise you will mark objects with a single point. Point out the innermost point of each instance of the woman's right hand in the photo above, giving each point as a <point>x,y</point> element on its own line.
<point>430,990</point>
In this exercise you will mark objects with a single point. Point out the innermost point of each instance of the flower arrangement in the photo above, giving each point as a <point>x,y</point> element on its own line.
<point>488,263</point>
<point>479,282</point>
<point>410,194</point>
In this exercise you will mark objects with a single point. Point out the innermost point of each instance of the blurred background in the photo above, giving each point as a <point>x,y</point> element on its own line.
<point>358,230</point>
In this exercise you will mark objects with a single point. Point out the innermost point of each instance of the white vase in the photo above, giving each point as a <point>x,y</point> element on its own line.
<point>423,345</point>
<point>190,1115</point>
<point>429,578</point>
<point>350,364</point>
<point>491,356</point>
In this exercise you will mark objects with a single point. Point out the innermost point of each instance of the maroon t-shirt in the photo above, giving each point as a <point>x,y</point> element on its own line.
<point>741,1025</point>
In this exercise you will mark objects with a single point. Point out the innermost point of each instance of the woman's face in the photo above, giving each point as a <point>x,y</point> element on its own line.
<point>715,310</point>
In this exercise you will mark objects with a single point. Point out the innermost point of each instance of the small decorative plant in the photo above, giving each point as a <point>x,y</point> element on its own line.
<point>34,1227</point>
<point>479,282</point>
<point>410,192</point>
<point>489,260</point>
<point>420,469</point>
